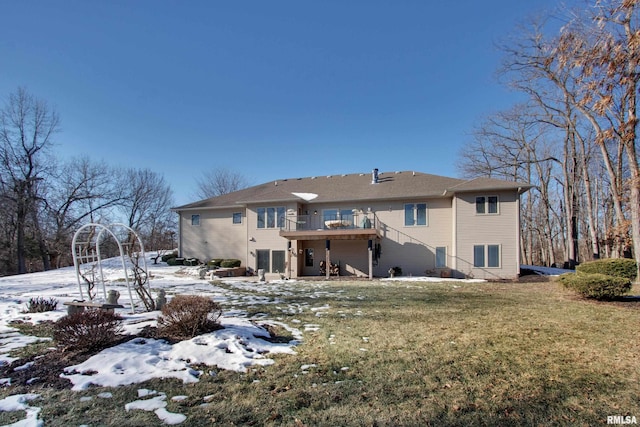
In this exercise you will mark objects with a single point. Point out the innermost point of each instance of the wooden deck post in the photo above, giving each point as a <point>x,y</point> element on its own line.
<point>328,258</point>
<point>289,259</point>
<point>370,250</point>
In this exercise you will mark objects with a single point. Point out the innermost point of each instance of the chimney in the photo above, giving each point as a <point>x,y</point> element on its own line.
<point>374,176</point>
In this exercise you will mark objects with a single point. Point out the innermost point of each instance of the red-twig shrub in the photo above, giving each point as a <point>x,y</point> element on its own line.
<point>88,330</point>
<point>187,316</point>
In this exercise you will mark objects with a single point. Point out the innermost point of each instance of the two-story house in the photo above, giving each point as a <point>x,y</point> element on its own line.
<point>362,225</point>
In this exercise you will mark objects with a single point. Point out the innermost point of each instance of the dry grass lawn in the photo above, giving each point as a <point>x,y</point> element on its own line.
<point>408,354</point>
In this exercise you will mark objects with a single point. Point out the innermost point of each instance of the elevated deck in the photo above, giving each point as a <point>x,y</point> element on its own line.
<point>315,227</point>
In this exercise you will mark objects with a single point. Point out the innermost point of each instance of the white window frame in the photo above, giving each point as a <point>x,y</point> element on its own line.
<point>195,220</point>
<point>486,204</point>
<point>279,217</point>
<point>233,218</point>
<point>441,265</point>
<point>414,207</point>
<point>485,254</point>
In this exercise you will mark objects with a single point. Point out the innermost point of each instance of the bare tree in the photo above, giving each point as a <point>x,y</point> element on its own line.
<point>218,182</point>
<point>7,235</point>
<point>602,49</point>
<point>81,191</point>
<point>146,204</point>
<point>27,126</point>
<point>511,145</point>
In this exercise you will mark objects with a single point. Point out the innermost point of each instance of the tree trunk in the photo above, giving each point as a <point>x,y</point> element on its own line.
<point>20,244</point>
<point>42,245</point>
<point>588,193</point>
<point>570,202</point>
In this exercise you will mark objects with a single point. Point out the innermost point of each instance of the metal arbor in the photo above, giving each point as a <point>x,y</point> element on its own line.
<point>87,260</point>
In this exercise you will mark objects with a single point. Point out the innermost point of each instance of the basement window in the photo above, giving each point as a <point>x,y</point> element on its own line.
<point>486,256</point>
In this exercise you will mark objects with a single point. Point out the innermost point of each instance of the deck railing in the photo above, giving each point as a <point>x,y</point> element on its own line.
<point>319,222</point>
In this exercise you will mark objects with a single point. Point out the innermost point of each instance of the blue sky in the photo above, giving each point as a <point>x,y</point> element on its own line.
<point>269,89</point>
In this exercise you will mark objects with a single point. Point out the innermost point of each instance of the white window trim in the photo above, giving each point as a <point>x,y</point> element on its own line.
<point>445,257</point>
<point>233,217</point>
<point>486,205</point>
<point>415,214</point>
<point>277,225</point>
<point>486,256</point>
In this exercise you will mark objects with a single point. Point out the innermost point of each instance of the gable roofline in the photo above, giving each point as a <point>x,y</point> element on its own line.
<point>487,184</point>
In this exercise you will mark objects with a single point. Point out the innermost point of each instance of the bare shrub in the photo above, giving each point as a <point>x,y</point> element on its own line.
<point>187,316</point>
<point>41,305</point>
<point>88,330</point>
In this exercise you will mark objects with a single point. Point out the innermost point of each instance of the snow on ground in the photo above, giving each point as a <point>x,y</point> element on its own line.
<point>238,346</point>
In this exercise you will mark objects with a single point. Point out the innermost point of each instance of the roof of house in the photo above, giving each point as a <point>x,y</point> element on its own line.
<point>358,186</point>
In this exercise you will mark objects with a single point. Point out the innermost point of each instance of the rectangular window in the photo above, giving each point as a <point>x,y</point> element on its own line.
<point>263,260</point>
<point>237,217</point>
<point>492,201</point>
<point>487,205</point>
<point>408,215</point>
<point>441,257</point>
<point>478,256</point>
<point>278,261</point>
<point>195,220</point>
<point>421,214</point>
<point>486,256</point>
<point>493,256</point>
<point>415,214</point>
<point>270,217</point>
<point>261,217</point>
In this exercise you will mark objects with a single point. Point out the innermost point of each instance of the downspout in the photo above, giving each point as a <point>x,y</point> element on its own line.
<point>179,234</point>
<point>518,230</point>
<point>247,252</point>
<point>454,234</point>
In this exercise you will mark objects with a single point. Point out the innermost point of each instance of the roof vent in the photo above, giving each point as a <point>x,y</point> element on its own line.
<point>374,176</point>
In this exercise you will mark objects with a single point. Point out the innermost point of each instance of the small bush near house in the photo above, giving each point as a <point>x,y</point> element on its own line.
<point>230,263</point>
<point>167,257</point>
<point>41,305</point>
<point>175,261</point>
<point>618,267</point>
<point>215,262</point>
<point>187,316</point>
<point>595,285</point>
<point>88,330</point>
